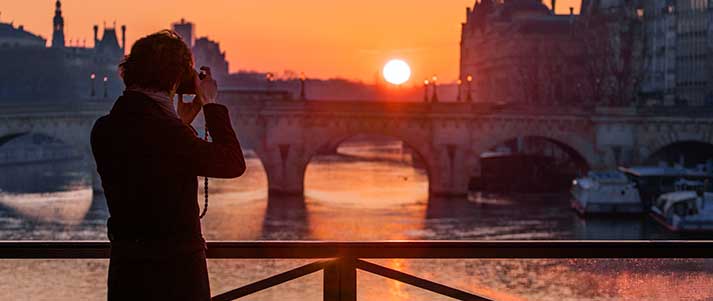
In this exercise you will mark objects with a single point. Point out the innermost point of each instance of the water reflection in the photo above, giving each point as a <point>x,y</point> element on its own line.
<point>358,195</point>
<point>379,196</point>
<point>48,192</point>
<point>286,218</point>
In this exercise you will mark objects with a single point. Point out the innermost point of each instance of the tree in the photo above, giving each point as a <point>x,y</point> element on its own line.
<point>612,56</point>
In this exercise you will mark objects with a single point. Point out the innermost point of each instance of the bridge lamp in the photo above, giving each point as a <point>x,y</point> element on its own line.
<point>469,79</point>
<point>434,81</point>
<point>269,77</point>
<point>93,77</point>
<point>106,86</point>
<point>425,90</point>
<point>303,79</point>
<point>460,83</point>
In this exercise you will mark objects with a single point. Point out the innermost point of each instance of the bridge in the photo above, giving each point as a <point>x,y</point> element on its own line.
<point>448,137</point>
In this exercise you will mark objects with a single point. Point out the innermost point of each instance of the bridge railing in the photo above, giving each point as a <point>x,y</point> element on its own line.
<point>341,260</point>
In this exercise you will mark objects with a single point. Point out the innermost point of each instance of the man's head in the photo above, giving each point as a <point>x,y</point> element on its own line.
<point>157,62</point>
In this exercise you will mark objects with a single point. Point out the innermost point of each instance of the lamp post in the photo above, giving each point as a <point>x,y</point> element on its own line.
<point>303,95</point>
<point>434,82</point>
<point>469,97</point>
<point>106,86</point>
<point>93,78</point>
<point>425,90</point>
<point>269,77</point>
<point>460,83</point>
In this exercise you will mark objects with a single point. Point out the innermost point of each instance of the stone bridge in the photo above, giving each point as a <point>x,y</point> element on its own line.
<point>448,137</point>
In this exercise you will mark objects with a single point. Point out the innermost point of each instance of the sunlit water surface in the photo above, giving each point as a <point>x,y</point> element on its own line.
<point>365,192</point>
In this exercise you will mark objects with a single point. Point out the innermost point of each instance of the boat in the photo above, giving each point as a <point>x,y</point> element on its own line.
<point>685,210</point>
<point>654,181</point>
<point>605,192</point>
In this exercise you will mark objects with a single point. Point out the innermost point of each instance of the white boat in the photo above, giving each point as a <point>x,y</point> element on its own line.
<point>654,181</point>
<point>608,192</point>
<point>685,211</point>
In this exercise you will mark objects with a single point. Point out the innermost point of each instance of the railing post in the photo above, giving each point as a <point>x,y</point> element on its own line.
<point>340,280</point>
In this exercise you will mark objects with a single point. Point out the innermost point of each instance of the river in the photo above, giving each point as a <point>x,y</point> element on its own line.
<point>368,191</point>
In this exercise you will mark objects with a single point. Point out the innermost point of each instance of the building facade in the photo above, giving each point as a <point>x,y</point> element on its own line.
<point>679,44</point>
<point>31,71</point>
<point>518,51</point>
<point>206,52</point>
<point>615,52</point>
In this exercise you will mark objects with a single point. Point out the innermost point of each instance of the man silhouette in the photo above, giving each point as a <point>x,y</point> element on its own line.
<point>149,158</point>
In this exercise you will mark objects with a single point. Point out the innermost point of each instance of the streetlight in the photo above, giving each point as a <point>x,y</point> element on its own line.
<point>93,77</point>
<point>469,97</point>
<point>303,95</point>
<point>106,86</point>
<point>269,77</point>
<point>460,83</point>
<point>434,81</point>
<point>425,90</point>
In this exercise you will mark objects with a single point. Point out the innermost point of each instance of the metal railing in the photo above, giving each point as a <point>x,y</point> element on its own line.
<point>341,260</point>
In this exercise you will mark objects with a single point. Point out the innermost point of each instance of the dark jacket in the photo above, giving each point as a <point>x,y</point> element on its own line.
<point>149,162</point>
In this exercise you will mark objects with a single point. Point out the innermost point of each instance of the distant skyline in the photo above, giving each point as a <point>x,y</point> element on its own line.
<point>323,38</point>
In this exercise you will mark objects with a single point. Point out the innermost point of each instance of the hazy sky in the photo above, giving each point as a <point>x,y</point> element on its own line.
<point>323,38</point>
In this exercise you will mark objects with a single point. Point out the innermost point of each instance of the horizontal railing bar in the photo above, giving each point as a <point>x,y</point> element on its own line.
<point>418,282</point>
<point>272,281</point>
<point>385,249</point>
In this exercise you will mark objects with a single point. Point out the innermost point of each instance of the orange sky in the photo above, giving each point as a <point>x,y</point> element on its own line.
<point>323,38</point>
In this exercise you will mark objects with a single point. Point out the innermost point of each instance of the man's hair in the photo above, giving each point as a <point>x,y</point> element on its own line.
<point>157,62</point>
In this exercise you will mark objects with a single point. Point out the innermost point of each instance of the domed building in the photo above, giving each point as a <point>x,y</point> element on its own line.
<point>11,36</point>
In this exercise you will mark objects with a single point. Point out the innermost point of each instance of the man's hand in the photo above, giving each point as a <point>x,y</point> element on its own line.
<point>206,92</point>
<point>207,88</point>
<point>188,111</point>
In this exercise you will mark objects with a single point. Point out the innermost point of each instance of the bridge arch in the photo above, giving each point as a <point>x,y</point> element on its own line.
<point>688,152</point>
<point>286,161</point>
<point>578,158</point>
<point>419,144</point>
<point>575,145</point>
<point>36,146</point>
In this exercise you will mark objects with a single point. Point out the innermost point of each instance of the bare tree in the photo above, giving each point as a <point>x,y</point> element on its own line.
<point>612,56</point>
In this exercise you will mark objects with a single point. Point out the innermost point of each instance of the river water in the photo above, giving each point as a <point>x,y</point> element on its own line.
<point>368,191</point>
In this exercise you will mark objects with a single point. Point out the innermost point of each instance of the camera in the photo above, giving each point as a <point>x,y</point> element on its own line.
<point>188,83</point>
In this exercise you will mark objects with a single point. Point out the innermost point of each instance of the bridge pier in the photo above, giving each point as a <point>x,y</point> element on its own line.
<point>450,172</point>
<point>285,169</point>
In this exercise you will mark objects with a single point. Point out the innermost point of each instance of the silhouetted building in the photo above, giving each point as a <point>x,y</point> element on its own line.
<point>186,30</point>
<point>518,51</point>
<point>18,37</point>
<point>58,26</point>
<point>208,53</point>
<point>205,51</point>
<point>31,71</point>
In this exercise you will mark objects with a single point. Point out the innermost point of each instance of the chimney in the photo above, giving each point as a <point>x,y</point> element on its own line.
<point>554,4</point>
<point>96,35</point>
<point>123,38</point>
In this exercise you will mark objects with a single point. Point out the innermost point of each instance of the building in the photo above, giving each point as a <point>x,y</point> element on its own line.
<point>18,37</point>
<point>31,71</point>
<point>186,30</point>
<point>518,51</point>
<point>206,52</point>
<point>679,57</point>
<point>615,52</point>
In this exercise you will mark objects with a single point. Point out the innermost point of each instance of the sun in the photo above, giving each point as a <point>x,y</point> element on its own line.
<point>397,72</point>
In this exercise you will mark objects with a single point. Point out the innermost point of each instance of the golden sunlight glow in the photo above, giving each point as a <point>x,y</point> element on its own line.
<point>397,72</point>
